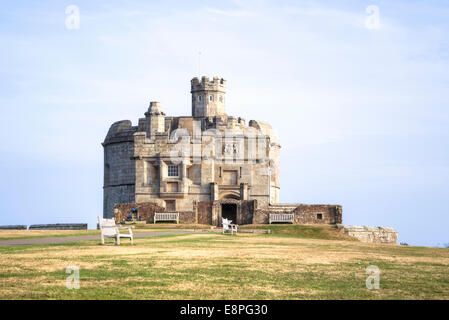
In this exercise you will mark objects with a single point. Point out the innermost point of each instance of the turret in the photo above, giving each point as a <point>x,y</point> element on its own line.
<point>208,97</point>
<point>155,119</point>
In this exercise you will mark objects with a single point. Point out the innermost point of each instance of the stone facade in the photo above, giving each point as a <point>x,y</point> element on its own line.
<point>206,166</point>
<point>371,234</point>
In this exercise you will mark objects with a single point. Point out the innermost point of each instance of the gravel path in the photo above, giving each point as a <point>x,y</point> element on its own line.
<point>57,240</point>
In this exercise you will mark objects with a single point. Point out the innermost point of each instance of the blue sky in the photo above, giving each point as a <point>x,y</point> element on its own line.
<point>362,113</point>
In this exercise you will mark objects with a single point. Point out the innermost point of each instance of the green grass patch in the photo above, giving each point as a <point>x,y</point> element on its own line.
<point>325,232</point>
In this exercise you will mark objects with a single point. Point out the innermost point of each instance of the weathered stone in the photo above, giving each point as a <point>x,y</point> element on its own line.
<point>206,166</point>
<point>371,234</point>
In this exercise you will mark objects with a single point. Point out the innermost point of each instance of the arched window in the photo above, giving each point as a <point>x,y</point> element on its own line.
<point>211,98</point>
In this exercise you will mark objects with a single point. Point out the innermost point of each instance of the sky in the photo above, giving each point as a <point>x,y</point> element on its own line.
<point>357,92</point>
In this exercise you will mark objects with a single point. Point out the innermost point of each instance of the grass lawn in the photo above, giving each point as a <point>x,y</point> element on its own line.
<point>293,262</point>
<point>29,234</point>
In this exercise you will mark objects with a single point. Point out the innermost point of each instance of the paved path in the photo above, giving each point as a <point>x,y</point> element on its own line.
<point>57,240</point>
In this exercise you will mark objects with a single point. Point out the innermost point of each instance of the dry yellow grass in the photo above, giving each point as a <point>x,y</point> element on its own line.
<point>16,234</point>
<point>216,266</point>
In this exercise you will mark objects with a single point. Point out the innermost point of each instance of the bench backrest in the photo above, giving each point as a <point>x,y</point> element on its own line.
<point>281,217</point>
<point>107,223</point>
<point>166,215</point>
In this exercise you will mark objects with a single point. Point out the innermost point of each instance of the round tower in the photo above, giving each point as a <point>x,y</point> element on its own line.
<point>208,97</point>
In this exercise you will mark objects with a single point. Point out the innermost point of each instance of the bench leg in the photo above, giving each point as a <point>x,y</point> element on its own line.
<point>117,240</point>
<point>102,238</point>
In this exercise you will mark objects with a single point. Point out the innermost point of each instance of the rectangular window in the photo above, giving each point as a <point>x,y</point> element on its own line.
<point>211,98</point>
<point>172,171</point>
<point>319,216</point>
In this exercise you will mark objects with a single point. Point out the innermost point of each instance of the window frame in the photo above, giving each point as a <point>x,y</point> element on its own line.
<point>171,169</point>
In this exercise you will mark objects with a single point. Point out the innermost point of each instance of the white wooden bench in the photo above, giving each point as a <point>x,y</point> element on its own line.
<point>282,217</point>
<point>110,230</point>
<point>166,216</point>
<point>229,227</point>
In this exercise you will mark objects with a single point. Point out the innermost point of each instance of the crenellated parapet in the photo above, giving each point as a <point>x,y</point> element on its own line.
<point>217,84</point>
<point>208,97</point>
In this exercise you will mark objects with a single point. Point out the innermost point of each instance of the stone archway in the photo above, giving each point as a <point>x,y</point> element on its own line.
<point>230,195</point>
<point>229,208</point>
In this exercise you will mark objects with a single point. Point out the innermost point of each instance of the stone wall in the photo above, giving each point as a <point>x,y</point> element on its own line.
<point>59,226</point>
<point>187,217</point>
<point>14,227</point>
<point>318,214</point>
<point>247,211</point>
<point>119,168</point>
<point>371,234</point>
<point>146,211</point>
<point>114,195</point>
<point>205,212</point>
<point>261,216</point>
<point>304,214</point>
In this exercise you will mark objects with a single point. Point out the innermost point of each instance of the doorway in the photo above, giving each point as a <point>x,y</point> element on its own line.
<point>229,211</point>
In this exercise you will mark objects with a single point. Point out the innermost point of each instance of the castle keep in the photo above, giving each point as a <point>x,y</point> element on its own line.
<point>206,166</point>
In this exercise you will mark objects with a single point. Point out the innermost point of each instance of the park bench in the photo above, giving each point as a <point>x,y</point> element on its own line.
<point>229,227</point>
<point>166,216</point>
<point>110,230</point>
<point>282,217</point>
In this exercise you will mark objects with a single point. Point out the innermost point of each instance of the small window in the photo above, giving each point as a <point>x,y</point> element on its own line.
<point>211,98</point>
<point>200,98</point>
<point>172,171</point>
<point>319,216</point>
<point>220,99</point>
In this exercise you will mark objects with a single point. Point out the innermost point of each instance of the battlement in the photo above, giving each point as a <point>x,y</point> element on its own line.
<point>217,84</point>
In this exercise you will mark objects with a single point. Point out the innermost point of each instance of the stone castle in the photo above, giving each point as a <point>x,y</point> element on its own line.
<point>206,166</point>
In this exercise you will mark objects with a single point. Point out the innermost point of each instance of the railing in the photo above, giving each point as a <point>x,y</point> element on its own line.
<point>166,216</point>
<point>282,217</point>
